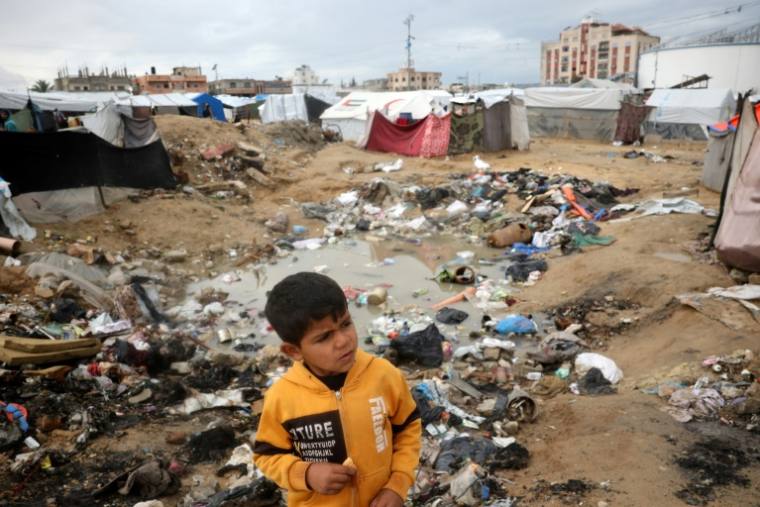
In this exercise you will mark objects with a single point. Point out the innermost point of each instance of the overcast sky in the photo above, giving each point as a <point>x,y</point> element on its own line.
<point>493,41</point>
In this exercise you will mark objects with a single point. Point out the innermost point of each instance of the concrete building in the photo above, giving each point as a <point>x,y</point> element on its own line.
<point>247,87</point>
<point>84,81</point>
<point>593,49</point>
<point>376,85</point>
<point>304,75</point>
<point>728,58</point>
<point>181,80</point>
<point>418,80</point>
<point>243,87</point>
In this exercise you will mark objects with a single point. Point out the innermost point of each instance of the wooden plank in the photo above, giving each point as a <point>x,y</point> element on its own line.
<point>17,357</point>
<point>35,345</point>
<point>456,381</point>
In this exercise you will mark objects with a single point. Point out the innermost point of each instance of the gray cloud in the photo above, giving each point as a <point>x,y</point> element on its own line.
<point>492,41</point>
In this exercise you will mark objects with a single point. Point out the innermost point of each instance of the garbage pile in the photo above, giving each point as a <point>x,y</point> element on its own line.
<point>724,389</point>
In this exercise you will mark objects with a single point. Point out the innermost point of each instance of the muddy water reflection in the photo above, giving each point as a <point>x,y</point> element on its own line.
<point>407,266</point>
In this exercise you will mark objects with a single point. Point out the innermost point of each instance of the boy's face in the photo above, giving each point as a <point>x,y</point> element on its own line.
<point>328,347</point>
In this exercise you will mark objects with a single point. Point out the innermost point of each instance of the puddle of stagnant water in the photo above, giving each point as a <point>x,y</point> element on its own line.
<point>673,256</point>
<point>408,267</point>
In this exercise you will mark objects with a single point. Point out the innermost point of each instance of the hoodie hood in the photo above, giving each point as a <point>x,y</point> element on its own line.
<point>300,375</point>
<point>10,115</point>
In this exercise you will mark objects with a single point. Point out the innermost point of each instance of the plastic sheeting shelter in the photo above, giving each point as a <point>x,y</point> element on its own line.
<point>295,106</point>
<point>426,138</point>
<point>685,113</point>
<point>490,126</point>
<point>590,82</point>
<point>217,108</point>
<point>720,145</point>
<point>46,164</point>
<point>349,116</point>
<point>580,113</point>
<point>119,129</point>
<point>46,102</point>
<point>737,241</point>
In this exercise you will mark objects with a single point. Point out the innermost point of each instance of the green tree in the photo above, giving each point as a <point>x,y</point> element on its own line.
<point>41,86</point>
<point>353,82</point>
<point>576,78</point>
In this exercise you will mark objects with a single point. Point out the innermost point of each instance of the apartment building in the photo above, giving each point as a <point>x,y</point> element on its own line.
<point>181,80</point>
<point>85,81</point>
<point>247,87</point>
<point>593,49</point>
<point>418,80</point>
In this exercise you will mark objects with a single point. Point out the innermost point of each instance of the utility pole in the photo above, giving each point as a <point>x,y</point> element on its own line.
<point>408,23</point>
<point>466,79</point>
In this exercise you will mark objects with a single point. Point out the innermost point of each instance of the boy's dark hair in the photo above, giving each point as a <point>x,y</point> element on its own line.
<point>299,299</point>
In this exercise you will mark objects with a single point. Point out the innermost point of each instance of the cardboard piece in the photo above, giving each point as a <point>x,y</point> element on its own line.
<point>66,350</point>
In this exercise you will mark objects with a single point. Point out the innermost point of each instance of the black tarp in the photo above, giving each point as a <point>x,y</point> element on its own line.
<point>315,107</point>
<point>44,162</point>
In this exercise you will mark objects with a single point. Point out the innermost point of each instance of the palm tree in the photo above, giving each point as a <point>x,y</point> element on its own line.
<point>41,86</point>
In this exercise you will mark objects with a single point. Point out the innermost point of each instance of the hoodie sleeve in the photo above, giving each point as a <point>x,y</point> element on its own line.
<point>273,449</point>
<point>407,433</point>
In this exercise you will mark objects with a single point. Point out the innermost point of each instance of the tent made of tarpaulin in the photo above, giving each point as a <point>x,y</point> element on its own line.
<point>239,107</point>
<point>295,106</point>
<point>580,113</point>
<point>720,146</point>
<point>685,113</point>
<point>349,116</point>
<point>442,98</point>
<point>46,102</point>
<point>737,241</point>
<point>591,82</point>
<point>47,163</point>
<point>217,108</point>
<point>426,138</point>
<point>119,129</point>
<point>172,103</point>
<point>490,128</point>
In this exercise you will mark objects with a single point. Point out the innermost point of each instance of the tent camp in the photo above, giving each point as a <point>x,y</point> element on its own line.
<point>47,102</point>
<point>685,113</point>
<point>580,113</point>
<point>294,106</point>
<point>737,241</point>
<point>217,108</point>
<point>166,103</point>
<point>720,145</point>
<point>119,129</point>
<point>349,116</point>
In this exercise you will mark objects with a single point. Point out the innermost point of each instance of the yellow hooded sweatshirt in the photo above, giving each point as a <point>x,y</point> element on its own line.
<point>373,419</point>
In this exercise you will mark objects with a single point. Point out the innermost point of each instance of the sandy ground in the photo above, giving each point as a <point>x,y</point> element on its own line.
<point>619,438</point>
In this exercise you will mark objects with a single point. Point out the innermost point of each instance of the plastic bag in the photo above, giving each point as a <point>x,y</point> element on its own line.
<point>584,362</point>
<point>422,346</point>
<point>477,449</point>
<point>451,316</point>
<point>515,324</point>
<point>463,486</point>
<point>520,271</point>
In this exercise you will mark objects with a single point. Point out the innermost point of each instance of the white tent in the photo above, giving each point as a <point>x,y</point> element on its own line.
<point>349,116</point>
<point>599,99</point>
<point>440,97</point>
<point>701,106</point>
<point>591,82</point>
<point>284,107</point>
<point>46,102</point>
<point>580,113</point>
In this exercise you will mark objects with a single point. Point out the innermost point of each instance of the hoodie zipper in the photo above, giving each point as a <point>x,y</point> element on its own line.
<point>347,439</point>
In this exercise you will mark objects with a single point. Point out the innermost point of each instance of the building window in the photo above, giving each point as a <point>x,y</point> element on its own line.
<point>564,40</point>
<point>195,85</point>
<point>233,85</point>
<point>628,44</point>
<point>120,88</point>
<point>614,44</point>
<point>575,39</point>
<point>246,85</point>
<point>76,88</point>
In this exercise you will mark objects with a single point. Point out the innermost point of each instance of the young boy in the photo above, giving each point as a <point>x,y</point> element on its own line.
<point>336,403</point>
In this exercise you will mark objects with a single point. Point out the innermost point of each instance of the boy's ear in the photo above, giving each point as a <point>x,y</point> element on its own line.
<point>292,351</point>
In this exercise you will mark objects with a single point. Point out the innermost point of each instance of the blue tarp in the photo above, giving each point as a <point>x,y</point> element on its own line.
<point>217,108</point>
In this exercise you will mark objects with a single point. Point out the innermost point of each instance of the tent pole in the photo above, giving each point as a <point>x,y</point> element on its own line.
<point>102,197</point>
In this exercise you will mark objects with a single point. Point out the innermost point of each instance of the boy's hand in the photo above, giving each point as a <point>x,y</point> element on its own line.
<point>328,478</point>
<point>386,498</point>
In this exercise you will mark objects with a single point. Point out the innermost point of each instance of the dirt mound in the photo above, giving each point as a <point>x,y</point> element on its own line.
<point>295,133</point>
